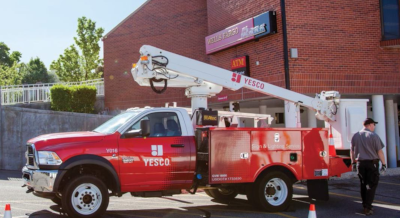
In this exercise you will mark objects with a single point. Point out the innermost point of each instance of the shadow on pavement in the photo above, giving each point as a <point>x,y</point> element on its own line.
<point>234,208</point>
<point>12,175</point>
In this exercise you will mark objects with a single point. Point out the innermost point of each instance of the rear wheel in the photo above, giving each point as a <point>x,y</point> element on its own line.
<point>222,194</point>
<point>85,197</point>
<point>273,192</point>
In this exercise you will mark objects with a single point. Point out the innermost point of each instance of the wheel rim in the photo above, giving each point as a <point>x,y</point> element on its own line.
<point>86,199</point>
<point>276,191</point>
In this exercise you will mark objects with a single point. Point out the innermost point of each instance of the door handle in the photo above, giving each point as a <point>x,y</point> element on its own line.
<point>177,145</point>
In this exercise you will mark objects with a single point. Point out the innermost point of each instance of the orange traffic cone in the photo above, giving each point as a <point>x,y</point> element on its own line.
<point>312,213</point>
<point>7,213</point>
<point>332,150</point>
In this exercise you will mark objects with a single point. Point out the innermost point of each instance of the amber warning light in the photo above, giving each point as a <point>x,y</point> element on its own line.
<point>144,59</point>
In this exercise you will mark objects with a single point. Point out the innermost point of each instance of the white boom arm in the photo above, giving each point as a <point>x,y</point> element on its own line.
<point>204,80</point>
<point>159,68</point>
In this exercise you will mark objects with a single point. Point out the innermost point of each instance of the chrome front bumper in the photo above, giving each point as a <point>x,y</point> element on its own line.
<point>39,180</point>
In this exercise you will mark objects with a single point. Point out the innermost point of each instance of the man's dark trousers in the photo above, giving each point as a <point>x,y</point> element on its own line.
<point>368,172</point>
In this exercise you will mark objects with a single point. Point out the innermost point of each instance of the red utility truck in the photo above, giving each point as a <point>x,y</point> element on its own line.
<point>152,152</point>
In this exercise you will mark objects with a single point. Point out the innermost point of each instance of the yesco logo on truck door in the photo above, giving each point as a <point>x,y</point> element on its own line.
<point>157,151</point>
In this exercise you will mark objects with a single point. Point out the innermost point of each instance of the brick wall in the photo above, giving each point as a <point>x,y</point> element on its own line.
<point>339,48</point>
<point>338,44</point>
<point>268,50</point>
<point>178,26</point>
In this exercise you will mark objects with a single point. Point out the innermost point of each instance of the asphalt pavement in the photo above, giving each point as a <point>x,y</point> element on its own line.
<point>344,202</point>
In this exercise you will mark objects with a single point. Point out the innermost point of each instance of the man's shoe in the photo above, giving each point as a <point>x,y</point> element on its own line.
<point>368,212</point>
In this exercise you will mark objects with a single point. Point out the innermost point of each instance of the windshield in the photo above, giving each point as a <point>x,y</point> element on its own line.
<point>114,123</point>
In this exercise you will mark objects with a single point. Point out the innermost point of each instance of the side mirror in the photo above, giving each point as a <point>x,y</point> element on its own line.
<point>145,126</point>
<point>132,134</point>
<point>144,131</point>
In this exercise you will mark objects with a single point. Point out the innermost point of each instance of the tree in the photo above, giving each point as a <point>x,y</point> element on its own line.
<point>81,65</point>
<point>68,67</point>
<point>5,58</point>
<point>10,75</point>
<point>10,71</point>
<point>35,71</point>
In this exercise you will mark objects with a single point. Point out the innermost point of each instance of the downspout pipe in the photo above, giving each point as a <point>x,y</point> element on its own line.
<point>285,45</point>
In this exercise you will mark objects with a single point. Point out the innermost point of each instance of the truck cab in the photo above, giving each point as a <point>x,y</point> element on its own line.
<point>119,156</point>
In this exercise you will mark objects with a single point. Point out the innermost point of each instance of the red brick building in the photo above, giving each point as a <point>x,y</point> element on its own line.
<point>349,46</point>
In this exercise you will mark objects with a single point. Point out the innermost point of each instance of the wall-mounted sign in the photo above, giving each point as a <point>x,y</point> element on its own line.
<point>241,65</point>
<point>222,98</point>
<point>253,28</point>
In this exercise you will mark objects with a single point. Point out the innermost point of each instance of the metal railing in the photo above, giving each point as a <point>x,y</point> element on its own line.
<point>17,94</point>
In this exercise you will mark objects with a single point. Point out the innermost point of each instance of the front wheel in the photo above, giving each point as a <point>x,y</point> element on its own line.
<point>56,200</point>
<point>85,197</point>
<point>273,192</point>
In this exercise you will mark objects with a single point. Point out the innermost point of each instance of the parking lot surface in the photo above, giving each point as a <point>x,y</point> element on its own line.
<point>344,202</point>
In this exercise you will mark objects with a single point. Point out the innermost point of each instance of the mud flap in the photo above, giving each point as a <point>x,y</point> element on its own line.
<point>318,189</point>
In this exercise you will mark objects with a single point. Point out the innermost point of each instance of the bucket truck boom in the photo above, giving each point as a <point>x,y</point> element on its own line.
<point>160,68</point>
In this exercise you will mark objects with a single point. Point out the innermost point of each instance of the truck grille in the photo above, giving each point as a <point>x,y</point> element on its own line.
<point>30,155</point>
<point>30,150</point>
<point>30,161</point>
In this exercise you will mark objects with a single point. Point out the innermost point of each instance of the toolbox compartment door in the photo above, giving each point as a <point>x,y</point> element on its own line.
<point>229,156</point>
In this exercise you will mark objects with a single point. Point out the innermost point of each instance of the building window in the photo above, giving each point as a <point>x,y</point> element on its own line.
<point>279,118</point>
<point>390,19</point>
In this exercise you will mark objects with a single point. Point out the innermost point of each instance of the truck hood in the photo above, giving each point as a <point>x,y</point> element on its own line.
<point>58,140</point>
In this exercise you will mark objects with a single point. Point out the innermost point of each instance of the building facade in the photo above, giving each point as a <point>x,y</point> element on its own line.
<point>349,46</point>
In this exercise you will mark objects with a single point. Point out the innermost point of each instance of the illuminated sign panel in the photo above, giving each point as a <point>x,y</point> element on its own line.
<point>253,28</point>
<point>241,66</point>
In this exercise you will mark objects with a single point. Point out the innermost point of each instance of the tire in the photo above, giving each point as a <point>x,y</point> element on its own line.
<point>222,194</point>
<point>207,191</point>
<point>273,192</point>
<point>85,197</point>
<point>56,200</point>
<point>251,195</point>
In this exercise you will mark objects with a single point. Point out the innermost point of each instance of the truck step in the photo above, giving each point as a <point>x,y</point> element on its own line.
<point>156,193</point>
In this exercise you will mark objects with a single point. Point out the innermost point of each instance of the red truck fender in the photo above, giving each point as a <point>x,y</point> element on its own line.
<point>88,159</point>
<point>277,167</point>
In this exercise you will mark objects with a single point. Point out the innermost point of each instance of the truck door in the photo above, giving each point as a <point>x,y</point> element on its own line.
<point>158,162</point>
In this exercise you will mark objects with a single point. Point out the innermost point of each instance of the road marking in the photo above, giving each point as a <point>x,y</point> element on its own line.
<point>301,201</point>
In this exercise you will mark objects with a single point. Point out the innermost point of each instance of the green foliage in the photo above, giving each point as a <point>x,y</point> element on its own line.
<point>35,72</point>
<point>81,65</point>
<point>10,75</point>
<point>10,69</point>
<point>53,78</point>
<point>67,67</point>
<point>60,97</point>
<point>7,59</point>
<point>83,98</point>
<point>79,99</point>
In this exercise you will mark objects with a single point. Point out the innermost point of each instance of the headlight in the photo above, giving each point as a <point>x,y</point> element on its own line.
<point>49,158</point>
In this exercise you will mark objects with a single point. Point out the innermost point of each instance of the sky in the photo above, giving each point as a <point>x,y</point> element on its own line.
<point>45,28</point>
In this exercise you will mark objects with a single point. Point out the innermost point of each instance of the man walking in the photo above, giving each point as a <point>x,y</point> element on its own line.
<point>366,151</point>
